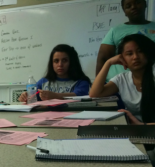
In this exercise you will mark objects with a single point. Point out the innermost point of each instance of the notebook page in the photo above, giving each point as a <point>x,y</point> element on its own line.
<point>97,115</point>
<point>92,147</point>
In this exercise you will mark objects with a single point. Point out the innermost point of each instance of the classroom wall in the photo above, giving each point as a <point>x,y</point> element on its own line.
<point>154,11</point>
<point>21,3</point>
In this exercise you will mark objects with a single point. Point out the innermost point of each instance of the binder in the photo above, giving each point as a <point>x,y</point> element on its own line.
<point>142,134</point>
<point>88,150</point>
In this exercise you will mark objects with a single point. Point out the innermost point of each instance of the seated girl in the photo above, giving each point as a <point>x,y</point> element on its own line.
<point>64,76</point>
<point>136,87</point>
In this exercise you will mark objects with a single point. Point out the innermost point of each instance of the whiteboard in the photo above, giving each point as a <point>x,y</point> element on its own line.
<point>29,34</point>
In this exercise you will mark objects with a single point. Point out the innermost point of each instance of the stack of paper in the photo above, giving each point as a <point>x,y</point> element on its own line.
<point>48,115</point>
<point>58,123</point>
<point>52,102</point>
<point>19,137</point>
<point>5,123</point>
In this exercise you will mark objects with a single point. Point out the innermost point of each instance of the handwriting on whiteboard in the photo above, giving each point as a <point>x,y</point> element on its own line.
<point>7,2</point>
<point>3,20</point>
<point>108,8</point>
<point>13,43</point>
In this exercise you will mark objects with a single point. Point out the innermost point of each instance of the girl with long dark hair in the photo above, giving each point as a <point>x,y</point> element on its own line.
<point>137,86</point>
<point>64,76</point>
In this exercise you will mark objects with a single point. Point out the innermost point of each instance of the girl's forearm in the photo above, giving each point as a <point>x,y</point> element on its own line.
<point>62,95</point>
<point>98,85</point>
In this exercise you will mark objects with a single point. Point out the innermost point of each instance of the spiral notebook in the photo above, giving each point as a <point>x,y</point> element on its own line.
<point>88,150</point>
<point>144,134</point>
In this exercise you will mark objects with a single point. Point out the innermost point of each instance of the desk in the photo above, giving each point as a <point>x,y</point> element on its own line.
<point>14,117</point>
<point>19,156</point>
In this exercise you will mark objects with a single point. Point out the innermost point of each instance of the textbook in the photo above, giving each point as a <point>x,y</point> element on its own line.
<point>144,134</point>
<point>88,150</point>
<point>97,115</point>
<point>97,99</point>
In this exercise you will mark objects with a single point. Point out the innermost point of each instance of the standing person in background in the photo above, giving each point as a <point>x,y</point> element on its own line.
<point>137,24</point>
<point>64,76</point>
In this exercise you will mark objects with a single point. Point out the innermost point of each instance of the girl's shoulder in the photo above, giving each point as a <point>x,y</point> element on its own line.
<point>124,75</point>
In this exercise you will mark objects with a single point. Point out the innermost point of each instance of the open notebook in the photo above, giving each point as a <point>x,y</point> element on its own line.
<point>97,115</point>
<point>88,150</point>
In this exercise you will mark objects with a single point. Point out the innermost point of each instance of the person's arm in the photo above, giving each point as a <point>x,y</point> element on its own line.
<point>133,119</point>
<point>23,97</point>
<point>47,95</point>
<point>105,52</point>
<point>99,89</point>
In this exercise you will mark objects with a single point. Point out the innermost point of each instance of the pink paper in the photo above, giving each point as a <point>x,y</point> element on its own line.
<point>48,115</point>
<point>19,137</point>
<point>5,123</point>
<point>58,123</point>
<point>52,102</point>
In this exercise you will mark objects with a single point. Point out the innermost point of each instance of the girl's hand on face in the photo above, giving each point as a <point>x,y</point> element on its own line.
<point>46,94</point>
<point>133,119</point>
<point>118,60</point>
<point>23,97</point>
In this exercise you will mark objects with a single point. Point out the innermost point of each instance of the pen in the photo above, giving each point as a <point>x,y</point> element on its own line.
<point>34,148</point>
<point>34,94</point>
<point>37,92</point>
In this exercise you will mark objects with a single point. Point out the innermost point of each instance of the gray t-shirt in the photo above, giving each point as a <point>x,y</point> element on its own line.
<point>128,92</point>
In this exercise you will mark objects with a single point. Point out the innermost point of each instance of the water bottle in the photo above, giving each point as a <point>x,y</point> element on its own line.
<point>31,90</point>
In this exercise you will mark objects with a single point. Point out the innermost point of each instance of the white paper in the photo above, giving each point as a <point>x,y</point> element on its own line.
<point>7,2</point>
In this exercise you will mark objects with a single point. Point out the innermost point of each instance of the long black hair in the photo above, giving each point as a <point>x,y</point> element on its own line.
<point>74,72</point>
<point>147,46</point>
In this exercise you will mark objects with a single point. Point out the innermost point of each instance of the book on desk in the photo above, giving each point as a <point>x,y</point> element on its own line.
<point>142,134</point>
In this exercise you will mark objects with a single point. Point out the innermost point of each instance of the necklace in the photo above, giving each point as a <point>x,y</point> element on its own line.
<point>140,87</point>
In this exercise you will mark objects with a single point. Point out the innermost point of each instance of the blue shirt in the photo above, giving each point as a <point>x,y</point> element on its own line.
<point>80,87</point>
